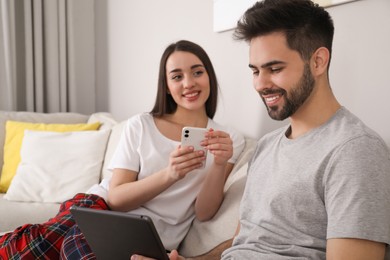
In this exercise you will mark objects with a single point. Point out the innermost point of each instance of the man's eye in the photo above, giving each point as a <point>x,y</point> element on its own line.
<point>275,69</point>
<point>255,72</point>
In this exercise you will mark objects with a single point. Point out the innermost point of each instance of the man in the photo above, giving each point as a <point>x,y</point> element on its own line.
<point>318,188</point>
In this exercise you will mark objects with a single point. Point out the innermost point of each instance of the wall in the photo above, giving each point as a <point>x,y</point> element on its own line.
<point>138,31</point>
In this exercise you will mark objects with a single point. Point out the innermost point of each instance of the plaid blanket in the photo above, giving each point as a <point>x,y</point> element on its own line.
<point>44,241</point>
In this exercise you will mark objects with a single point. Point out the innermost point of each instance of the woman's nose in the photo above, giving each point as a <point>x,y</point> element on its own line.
<point>188,82</point>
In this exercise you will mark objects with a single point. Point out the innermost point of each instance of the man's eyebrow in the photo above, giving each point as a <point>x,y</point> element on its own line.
<point>268,64</point>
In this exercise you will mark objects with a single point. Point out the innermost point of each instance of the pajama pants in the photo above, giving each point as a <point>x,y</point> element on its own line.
<point>46,240</point>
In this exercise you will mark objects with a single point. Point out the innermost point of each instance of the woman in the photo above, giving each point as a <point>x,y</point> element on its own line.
<point>152,174</point>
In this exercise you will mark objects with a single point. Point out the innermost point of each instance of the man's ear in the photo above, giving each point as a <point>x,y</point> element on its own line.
<point>319,61</point>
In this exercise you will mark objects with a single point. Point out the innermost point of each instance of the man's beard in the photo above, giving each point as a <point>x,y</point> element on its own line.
<point>294,99</point>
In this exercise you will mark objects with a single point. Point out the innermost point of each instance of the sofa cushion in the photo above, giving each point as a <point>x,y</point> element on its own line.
<point>14,133</point>
<point>74,165</point>
<point>15,214</point>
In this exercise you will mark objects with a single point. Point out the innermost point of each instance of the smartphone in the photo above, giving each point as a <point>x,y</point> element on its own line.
<point>192,136</point>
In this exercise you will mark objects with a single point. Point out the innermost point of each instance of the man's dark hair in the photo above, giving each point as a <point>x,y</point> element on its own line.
<point>307,26</point>
<point>164,102</point>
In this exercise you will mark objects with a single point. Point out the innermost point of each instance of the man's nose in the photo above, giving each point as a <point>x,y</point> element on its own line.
<point>261,82</point>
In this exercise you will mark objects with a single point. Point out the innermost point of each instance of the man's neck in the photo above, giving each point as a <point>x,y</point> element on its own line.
<point>317,110</point>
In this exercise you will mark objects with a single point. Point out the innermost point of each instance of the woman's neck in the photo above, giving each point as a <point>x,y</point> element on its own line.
<point>171,125</point>
<point>184,118</point>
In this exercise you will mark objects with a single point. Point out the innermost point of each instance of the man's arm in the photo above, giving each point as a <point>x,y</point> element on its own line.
<point>354,249</point>
<point>215,253</point>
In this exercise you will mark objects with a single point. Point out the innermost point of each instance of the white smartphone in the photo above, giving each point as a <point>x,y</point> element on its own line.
<point>192,136</point>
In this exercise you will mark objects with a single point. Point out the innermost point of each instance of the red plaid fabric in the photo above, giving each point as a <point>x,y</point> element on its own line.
<point>75,246</point>
<point>44,241</point>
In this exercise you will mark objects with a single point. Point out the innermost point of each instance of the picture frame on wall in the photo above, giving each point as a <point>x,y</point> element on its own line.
<point>328,3</point>
<point>228,12</point>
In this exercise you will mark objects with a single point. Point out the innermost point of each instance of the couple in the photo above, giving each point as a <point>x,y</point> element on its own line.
<point>316,189</point>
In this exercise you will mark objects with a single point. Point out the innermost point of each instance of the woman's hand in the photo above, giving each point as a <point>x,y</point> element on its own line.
<point>220,145</point>
<point>183,160</point>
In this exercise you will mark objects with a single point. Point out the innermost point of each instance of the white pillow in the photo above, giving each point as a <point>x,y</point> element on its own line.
<point>55,166</point>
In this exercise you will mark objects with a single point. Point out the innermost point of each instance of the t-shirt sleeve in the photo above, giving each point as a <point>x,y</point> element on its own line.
<point>126,155</point>
<point>357,191</point>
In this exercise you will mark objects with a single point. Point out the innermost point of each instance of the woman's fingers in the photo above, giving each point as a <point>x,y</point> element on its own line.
<point>220,145</point>
<point>183,160</point>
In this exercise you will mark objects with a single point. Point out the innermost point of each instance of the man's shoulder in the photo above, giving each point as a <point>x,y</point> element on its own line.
<point>347,126</point>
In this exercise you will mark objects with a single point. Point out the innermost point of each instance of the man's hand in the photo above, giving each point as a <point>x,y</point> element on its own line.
<point>174,255</point>
<point>213,254</point>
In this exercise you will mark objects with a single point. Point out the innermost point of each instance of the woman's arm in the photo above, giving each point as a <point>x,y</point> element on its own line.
<point>127,192</point>
<point>211,194</point>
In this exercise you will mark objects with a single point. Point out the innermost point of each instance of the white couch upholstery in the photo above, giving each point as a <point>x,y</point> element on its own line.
<point>202,236</point>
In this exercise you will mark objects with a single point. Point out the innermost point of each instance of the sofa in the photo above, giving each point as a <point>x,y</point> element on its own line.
<point>77,159</point>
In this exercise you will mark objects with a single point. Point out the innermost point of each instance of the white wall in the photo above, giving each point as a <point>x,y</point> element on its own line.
<point>139,30</point>
<point>360,68</point>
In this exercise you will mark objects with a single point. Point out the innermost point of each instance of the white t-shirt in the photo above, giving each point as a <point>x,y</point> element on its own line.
<point>142,148</point>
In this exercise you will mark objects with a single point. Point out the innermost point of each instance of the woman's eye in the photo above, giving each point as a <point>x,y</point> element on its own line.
<point>198,73</point>
<point>176,77</point>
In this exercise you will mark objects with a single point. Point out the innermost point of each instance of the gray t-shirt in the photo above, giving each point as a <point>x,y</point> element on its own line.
<point>332,182</point>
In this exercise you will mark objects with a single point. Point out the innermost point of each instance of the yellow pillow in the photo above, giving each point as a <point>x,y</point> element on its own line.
<point>14,133</point>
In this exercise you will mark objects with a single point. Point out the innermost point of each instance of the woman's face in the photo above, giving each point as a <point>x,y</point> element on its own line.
<point>188,81</point>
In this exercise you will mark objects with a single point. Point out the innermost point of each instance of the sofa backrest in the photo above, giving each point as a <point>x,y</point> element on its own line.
<point>115,135</point>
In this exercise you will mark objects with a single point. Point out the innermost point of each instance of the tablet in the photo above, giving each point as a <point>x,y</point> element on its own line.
<point>118,235</point>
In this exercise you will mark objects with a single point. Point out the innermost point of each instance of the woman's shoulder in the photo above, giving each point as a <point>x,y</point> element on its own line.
<point>140,119</point>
